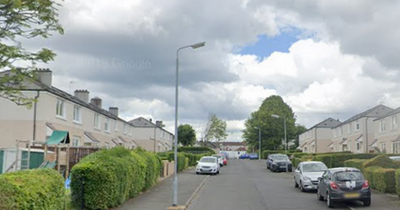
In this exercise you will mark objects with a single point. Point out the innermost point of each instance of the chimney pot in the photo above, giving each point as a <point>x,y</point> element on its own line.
<point>44,76</point>
<point>96,101</point>
<point>83,95</point>
<point>113,111</point>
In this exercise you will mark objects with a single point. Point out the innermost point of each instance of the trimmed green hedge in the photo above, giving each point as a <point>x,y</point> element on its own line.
<point>196,150</point>
<point>32,189</point>
<point>382,161</point>
<point>355,163</point>
<point>181,160</point>
<point>384,180</point>
<point>107,178</point>
<point>397,179</point>
<point>369,175</point>
<point>327,159</point>
<point>295,162</point>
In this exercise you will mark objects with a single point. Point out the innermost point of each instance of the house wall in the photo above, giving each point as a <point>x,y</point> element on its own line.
<point>323,138</point>
<point>387,137</point>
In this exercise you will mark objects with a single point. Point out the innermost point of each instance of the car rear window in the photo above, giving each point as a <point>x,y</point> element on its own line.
<point>208,160</point>
<point>348,176</point>
<point>314,167</point>
<point>281,157</point>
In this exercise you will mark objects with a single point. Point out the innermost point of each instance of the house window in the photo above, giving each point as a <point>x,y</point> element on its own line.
<point>357,125</point>
<point>348,128</point>
<point>383,147</point>
<point>394,122</point>
<point>60,109</point>
<point>76,141</point>
<point>358,146</point>
<point>77,114</point>
<point>396,147</point>
<point>345,148</point>
<point>97,121</point>
<point>382,125</point>
<point>107,125</point>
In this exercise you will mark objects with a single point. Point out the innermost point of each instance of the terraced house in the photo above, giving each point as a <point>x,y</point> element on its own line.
<point>358,132</point>
<point>387,133</point>
<point>317,138</point>
<point>87,123</point>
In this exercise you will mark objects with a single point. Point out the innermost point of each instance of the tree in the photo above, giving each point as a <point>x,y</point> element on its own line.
<point>215,129</point>
<point>299,130</point>
<point>24,19</point>
<point>272,129</point>
<point>186,135</point>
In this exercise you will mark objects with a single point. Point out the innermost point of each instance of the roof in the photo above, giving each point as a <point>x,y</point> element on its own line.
<point>395,111</point>
<point>143,122</point>
<point>328,123</point>
<point>376,112</point>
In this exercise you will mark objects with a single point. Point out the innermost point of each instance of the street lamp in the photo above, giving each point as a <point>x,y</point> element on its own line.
<point>259,143</point>
<point>175,182</point>
<point>284,126</point>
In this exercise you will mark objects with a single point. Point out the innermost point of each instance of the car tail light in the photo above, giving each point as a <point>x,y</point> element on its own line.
<point>334,185</point>
<point>365,185</point>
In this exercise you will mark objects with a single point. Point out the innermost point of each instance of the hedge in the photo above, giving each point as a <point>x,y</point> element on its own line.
<point>397,179</point>
<point>369,175</point>
<point>355,163</point>
<point>327,159</point>
<point>295,162</point>
<point>384,180</point>
<point>196,150</point>
<point>32,189</point>
<point>181,160</point>
<point>382,161</point>
<point>107,178</point>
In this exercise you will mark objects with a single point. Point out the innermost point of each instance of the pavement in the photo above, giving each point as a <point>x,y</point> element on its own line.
<point>160,196</point>
<point>244,185</point>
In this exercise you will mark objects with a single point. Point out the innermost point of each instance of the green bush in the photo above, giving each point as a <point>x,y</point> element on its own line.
<point>107,178</point>
<point>384,180</point>
<point>397,180</point>
<point>181,160</point>
<point>196,150</point>
<point>355,163</point>
<point>382,161</point>
<point>327,159</point>
<point>369,174</point>
<point>32,189</point>
<point>295,162</point>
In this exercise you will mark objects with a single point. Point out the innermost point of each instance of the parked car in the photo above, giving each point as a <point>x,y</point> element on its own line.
<point>208,164</point>
<point>279,162</point>
<point>220,161</point>
<point>396,158</point>
<point>224,159</point>
<point>269,160</point>
<point>244,156</point>
<point>343,184</point>
<point>253,156</point>
<point>307,173</point>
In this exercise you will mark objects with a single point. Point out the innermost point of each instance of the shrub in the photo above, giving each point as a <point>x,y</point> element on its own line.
<point>355,163</point>
<point>327,159</point>
<point>382,161</point>
<point>181,160</point>
<point>369,175</point>
<point>107,178</point>
<point>295,162</point>
<point>196,150</point>
<point>384,180</point>
<point>397,180</point>
<point>32,189</point>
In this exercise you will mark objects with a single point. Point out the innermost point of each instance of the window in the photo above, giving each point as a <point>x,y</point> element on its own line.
<point>357,125</point>
<point>348,128</point>
<point>344,148</point>
<point>107,125</point>
<point>396,147</point>
<point>76,141</point>
<point>358,146</point>
<point>60,109</point>
<point>383,147</point>
<point>97,121</point>
<point>394,122</point>
<point>382,125</point>
<point>77,114</point>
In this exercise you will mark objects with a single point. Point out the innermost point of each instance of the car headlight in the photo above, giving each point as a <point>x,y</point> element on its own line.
<point>306,178</point>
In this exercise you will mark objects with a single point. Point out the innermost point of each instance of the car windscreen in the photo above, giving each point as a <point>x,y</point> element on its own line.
<point>280,157</point>
<point>314,167</point>
<point>207,160</point>
<point>348,176</point>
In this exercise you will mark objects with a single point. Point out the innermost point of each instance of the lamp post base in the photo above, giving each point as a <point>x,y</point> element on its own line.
<point>176,208</point>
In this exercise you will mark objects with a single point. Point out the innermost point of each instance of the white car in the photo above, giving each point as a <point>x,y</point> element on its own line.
<point>220,159</point>
<point>208,164</point>
<point>307,173</point>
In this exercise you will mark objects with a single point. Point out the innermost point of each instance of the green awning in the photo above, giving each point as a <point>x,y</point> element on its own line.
<point>58,137</point>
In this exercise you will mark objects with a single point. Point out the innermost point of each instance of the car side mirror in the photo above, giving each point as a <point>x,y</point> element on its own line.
<point>319,179</point>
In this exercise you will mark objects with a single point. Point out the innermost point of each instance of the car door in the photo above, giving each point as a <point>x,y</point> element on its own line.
<point>322,184</point>
<point>297,173</point>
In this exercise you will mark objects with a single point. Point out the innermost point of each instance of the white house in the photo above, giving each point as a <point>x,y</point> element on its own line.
<point>387,133</point>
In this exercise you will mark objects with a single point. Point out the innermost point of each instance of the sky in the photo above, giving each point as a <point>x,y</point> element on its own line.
<point>324,58</point>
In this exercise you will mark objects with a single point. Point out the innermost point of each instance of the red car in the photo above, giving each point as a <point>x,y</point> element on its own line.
<point>224,159</point>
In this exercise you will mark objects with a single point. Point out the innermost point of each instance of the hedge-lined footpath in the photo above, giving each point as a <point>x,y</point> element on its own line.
<point>107,178</point>
<point>32,189</point>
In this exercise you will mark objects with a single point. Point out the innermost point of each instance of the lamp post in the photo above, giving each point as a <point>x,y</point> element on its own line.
<point>259,143</point>
<point>175,181</point>
<point>284,128</point>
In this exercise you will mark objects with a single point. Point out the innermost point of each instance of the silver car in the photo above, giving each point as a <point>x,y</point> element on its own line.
<point>307,173</point>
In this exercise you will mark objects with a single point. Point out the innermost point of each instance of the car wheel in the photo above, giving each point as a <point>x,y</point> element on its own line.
<point>295,184</point>
<point>367,202</point>
<point>319,196</point>
<point>329,202</point>
<point>217,172</point>
<point>274,168</point>
<point>301,187</point>
<point>197,172</point>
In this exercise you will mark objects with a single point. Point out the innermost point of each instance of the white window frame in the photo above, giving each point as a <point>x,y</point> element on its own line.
<point>382,125</point>
<point>77,114</point>
<point>357,125</point>
<point>97,121</point>
<point>383,147</point>
<point>76,141</point>
<point>348,128</point>
<point>396,147</point>
<point>60,108</point>
<point>107,124</point>
<point>394,122</point>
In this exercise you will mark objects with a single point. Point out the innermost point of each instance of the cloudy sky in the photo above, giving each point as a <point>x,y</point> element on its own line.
<point>325,58</point>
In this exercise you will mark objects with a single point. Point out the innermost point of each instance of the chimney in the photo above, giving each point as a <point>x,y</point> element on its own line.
<point>159,123</point>
<point>83,95</point>
<point>150,120</point>
<point>96,101</point>
<point>113,111</point>
<point>44,76</point>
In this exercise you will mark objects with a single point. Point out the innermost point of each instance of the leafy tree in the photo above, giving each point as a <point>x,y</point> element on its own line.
<point>272,129</point>
<point>186,135</point>
<point>299,130</point>
<point>24,19</point>
<point>216,128</point>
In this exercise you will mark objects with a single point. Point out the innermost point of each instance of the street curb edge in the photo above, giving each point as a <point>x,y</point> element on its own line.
<point>195,192</point>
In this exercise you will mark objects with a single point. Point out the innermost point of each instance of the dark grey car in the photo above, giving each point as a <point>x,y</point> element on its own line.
<point>342,184</point>
<point>279,162</point>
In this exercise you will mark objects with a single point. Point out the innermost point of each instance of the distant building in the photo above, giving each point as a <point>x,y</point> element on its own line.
<point>233,146</point>
<point>387,133</point>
